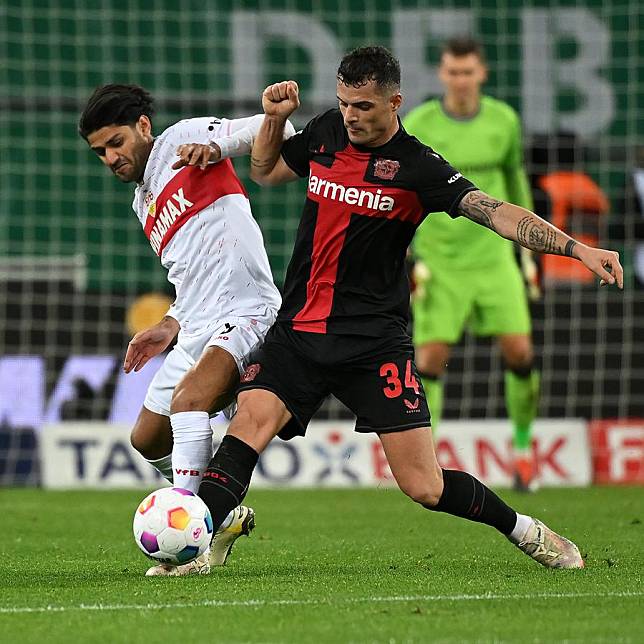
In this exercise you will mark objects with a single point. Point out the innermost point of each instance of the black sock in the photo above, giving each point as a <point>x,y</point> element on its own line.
<point>465,496</point>
<point>521,372</point>
<point>226,480</point>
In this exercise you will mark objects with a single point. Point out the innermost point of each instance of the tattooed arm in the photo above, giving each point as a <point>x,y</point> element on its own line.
<point>529,230</point>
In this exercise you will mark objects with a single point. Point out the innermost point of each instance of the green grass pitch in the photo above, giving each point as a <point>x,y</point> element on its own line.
<point>323,566</point>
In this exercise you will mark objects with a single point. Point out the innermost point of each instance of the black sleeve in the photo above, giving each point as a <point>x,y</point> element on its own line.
<point>297,150</point>
<point>440,186</point>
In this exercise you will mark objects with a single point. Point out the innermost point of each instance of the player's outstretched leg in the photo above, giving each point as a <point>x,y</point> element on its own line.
<point>227,477</point>
<point>413,463</point>
<point>260,415</point>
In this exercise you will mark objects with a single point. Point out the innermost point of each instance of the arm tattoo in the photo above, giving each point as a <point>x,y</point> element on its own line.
<point>478,207</point>
<point>536,236</point>
<point>569,248</point>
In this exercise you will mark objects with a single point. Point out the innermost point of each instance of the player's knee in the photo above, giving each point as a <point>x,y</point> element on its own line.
<point>426,492</point>
<point>518,355</point>
<point>251,423</point>
<point>260,415</point>
<point>186,398</point>
<point>520,362</point>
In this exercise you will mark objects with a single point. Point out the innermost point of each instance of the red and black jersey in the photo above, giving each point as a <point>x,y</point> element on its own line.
<point>347,273</point>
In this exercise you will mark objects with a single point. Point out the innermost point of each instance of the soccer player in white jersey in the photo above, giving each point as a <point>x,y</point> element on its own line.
<point>199,222</point>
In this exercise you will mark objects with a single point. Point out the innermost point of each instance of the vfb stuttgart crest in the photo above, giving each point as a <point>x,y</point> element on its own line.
<point>150,204</point>
<point>386,169</point>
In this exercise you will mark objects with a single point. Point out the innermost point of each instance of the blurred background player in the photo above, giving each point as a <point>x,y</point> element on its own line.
<point>199,222</point>
<point>466,275</point>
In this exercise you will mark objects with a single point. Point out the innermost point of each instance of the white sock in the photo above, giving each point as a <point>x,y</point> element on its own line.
<point>192,449</point>
<point>523,523</point>
<point>162,465</point>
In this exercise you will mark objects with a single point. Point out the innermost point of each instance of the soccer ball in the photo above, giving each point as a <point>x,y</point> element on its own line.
<point>172,525</point>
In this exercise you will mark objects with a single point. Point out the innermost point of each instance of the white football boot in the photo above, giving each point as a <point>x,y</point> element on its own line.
<point>200,566</point>
<point>549,548</point>
<point>243,522</point>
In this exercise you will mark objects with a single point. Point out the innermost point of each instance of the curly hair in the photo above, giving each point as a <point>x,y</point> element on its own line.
<point>366,64</point>
<point>114,105</point>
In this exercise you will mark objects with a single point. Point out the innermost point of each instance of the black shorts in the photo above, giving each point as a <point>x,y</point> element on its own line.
<point>376,378</point>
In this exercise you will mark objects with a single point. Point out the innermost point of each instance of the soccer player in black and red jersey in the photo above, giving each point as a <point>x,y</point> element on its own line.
<point>342,326</point>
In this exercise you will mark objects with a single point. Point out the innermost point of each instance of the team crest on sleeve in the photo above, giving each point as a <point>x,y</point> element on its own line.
<point>150,204</point>
<point>386,169</point>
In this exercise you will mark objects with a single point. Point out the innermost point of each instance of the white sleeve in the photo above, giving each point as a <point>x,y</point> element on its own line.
<point>175,311</point>
<point>241,135</point>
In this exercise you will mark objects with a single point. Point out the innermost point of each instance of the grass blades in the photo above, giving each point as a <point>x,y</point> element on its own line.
<point>323,566</point>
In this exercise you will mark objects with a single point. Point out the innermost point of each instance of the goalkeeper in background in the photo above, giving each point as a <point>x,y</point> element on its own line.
<point>465,274</point>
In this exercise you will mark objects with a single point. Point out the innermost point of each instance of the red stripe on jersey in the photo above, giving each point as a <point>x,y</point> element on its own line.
<point>328,239</point>
<point>187,193</point>
<point>341,191</point>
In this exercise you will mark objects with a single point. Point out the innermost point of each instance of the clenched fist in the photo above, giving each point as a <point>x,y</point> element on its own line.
<point>281,99</point>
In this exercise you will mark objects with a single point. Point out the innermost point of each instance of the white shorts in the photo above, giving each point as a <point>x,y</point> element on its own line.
<point>241,337</point>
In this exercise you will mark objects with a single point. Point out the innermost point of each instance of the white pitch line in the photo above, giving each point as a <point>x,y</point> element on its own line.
<point>217,603</point>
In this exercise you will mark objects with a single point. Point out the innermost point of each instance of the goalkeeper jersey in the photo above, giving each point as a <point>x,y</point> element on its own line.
<point>486,149</point>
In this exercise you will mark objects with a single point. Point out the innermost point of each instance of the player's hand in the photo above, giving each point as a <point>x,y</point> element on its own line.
<point>198,154</point>
<point>530,270</point>
<point>419,278</point>
<point>604,263</point>
<point>281,99</point>
<point>149,343</point>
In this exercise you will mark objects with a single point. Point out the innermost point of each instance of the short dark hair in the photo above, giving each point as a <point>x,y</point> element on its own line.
<point>114,105</point>
<point>366,64</point>
<point>463,46</point>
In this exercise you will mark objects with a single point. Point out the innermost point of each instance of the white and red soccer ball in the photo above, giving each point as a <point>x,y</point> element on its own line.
<point>172,525</point>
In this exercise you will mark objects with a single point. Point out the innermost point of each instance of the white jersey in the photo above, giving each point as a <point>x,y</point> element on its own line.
<point>200,224</point>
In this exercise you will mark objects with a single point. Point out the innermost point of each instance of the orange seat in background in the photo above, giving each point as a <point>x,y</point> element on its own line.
<point>571,193</point>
